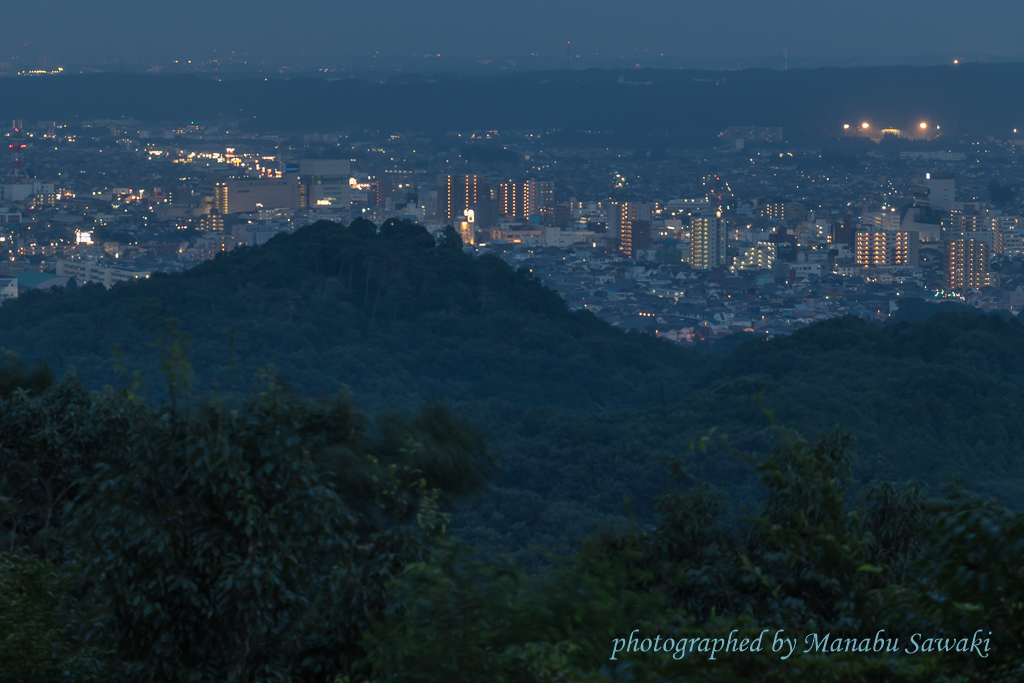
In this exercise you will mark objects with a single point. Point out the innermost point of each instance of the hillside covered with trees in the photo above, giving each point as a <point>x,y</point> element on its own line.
<point>387,313</point>
<point>272,537</point>
<point>580,416</point>
<point>209,503</point>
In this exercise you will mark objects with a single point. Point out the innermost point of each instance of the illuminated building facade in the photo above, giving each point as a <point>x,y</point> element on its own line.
<point>394,187</point>
<point>629,225</point>
<point>888,220</point>
<point>760,256</point>
<point>707,243</point>
<point>556,215</point>
<point>85,271</point>
<point>248,195</point>
<point>781,211</point>
<point>1009,240</point>
<point>961,222</point>
<point>886,248</point>
<point>545,193</point>
<point>967,264</point>
<point>324,182</point>
<point>466,228</point>
<point>457,194</point>
<point>519,200</point>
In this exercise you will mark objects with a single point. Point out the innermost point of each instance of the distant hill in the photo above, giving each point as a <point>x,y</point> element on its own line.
<point>930,402</point>
<point>582,415</point>
<point>593,107</point>
<point>386,313</point>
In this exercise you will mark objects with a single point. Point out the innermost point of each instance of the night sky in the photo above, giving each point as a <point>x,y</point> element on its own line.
<point>342,34</point>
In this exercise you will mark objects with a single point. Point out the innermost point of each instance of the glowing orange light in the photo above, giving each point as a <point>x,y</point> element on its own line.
<point>846,126</point>
<point>924,126</point>
<point>865,125</point>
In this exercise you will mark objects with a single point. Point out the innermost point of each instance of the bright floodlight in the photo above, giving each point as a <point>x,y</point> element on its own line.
<point>847,126</point>
<point>864,125</point>
<point>924,126</point>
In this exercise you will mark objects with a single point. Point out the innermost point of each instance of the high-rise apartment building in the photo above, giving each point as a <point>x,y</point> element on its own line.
<point>519,200</point>
<point>707,243</point>
<point>394,186</point>
<point>1009,238</point>
<point>886,248</point>
<point>457,194</point>
<point>629,227</point>
<point>545,193</point>
<point>967,264</point>
<point>556,215</point>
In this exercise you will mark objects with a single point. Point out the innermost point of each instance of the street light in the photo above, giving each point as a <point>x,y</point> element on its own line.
<point>924,126</point>
<point>865,125</point>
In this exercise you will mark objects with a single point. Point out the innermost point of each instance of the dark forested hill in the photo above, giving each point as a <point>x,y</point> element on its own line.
<point>580,414</point>
<point>385,312</point>
<point>640,106</point>
<point>929,402</point>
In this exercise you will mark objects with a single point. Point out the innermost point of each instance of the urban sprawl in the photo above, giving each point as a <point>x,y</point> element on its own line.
<point>754,236</point>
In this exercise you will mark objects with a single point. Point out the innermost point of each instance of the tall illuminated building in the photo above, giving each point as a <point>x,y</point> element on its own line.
<point>967,264</point>
<point>886,248</point>
<point>457,194</point>
<point>519,200</point>
<point>629,227</point>
<point>707,242</point>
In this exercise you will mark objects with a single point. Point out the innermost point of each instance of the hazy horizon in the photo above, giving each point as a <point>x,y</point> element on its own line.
<point>457,34</point>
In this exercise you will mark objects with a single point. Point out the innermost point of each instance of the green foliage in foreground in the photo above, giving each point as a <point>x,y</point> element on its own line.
<point>279,538</point>
<point>246,540</point>
<point>806,563</point>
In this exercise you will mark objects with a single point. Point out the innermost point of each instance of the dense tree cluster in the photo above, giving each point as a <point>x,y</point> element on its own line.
<point>272,537</point>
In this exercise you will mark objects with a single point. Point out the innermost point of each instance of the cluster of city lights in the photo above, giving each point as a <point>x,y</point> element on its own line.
<point>865,126</point>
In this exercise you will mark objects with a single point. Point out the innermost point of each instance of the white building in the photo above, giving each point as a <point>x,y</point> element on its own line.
<point>325,182</point>
<point>8,288</point>
<point>19,192</point>
<point>85,271</point>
